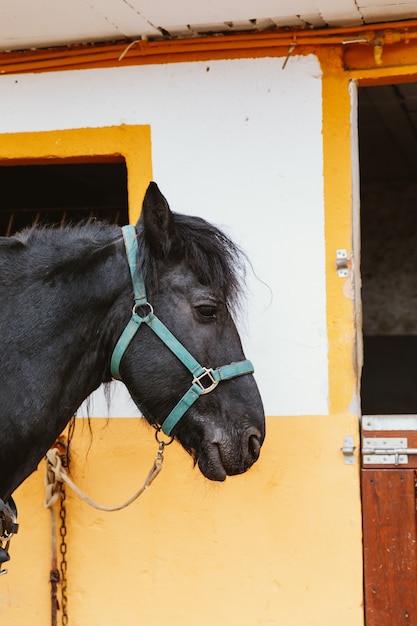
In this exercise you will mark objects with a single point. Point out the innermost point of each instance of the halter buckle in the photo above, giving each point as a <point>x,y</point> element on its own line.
<point>206,386</point>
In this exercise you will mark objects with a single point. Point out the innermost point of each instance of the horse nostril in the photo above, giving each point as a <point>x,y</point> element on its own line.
<point>254,446</point>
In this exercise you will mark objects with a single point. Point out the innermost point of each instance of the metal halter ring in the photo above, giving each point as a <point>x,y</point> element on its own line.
<point>142,306</point>
<point>160,441</point>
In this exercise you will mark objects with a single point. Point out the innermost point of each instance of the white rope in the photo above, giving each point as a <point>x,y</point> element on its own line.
<point>126,50</point>
<point>56,473</point>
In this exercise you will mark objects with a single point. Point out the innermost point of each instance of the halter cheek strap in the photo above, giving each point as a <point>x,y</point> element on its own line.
<point>204,379</point>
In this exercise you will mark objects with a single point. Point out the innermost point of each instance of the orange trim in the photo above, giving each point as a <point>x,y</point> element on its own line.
<point>337,167</point>
<point>277,43</point>
<point>389,79</point>
<point>143,52</point>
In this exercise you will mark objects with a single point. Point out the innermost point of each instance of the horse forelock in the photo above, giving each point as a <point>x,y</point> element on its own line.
<point>216,260</point>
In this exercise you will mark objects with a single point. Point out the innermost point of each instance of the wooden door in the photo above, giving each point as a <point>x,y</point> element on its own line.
<point>386,252</point>
<point>389,519</point>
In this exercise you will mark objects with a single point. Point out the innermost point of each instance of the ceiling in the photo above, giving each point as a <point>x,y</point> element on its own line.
<point>26,24</point>
<point>388,114</point>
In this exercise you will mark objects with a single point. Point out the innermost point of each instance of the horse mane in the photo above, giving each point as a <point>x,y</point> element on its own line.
<point>216,260</point>
<point>45,250</point>
<point>71,240</point>
<point>212,256</point>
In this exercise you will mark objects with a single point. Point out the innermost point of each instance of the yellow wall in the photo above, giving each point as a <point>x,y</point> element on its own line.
<point>278,545</point>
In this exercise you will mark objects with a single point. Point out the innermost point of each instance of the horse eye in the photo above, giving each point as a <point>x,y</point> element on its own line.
<point>207,310</point>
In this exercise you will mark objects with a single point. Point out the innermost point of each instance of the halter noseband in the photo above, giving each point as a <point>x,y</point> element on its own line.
<point>204,379</point>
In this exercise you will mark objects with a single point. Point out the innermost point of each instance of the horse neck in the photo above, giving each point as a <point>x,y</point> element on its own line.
<point>53,359</point>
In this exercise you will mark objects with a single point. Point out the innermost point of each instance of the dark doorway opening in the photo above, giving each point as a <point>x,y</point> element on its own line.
<point>388,179</point>
<point>62,193</point>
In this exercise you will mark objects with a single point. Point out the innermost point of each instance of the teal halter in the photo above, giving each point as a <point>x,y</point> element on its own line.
<point>204,379</point>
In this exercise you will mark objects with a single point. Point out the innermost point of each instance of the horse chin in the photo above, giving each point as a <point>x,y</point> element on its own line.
<point>211,465</point>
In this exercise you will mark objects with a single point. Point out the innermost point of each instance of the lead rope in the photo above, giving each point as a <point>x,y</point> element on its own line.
<point>59,474</point>
<point>56,478</point>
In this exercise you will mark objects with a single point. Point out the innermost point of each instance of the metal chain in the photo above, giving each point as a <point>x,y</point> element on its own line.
<point>55,490</point>
<point>63,551</point>
<point>63,528</point>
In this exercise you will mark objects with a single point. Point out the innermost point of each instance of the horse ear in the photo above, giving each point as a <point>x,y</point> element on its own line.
<point>158,224</point>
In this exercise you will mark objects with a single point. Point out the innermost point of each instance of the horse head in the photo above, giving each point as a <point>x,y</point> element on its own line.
<point>191,276</point>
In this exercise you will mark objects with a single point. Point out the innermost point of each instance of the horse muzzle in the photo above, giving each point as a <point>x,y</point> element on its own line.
<point>223,456</point>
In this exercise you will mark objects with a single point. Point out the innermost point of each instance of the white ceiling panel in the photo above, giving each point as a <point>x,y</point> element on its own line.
<point>340,13</point>
<point>218,11</point>
<point>401,7</point>
<point>123,16</point>
<point>28,24</point>
<point>284,21</point>
<point>313,19</point>
<point>388,13</point>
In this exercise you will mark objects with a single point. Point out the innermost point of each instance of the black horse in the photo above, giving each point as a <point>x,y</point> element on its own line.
<point>65,298</point>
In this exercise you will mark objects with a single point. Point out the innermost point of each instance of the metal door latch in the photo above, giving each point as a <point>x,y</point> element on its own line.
<point>342,263</point>
<point>386,450</point>
<point>348,450</point>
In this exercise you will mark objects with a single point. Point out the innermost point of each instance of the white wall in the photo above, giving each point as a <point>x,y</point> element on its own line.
<point>238,142</point>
